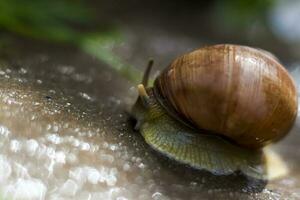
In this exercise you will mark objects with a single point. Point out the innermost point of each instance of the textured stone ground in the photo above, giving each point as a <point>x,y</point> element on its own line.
<point>65,134</point>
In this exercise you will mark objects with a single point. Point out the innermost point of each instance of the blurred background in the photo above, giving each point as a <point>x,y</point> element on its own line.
<point>68,71</point>
<point>139,29</point>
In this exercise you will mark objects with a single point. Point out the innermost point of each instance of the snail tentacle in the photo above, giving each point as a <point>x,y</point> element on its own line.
<point>143,95</point>
<point>147,73</point>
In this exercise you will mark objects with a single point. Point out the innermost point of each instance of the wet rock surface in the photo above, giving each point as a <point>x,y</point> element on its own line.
<point>65,133</point>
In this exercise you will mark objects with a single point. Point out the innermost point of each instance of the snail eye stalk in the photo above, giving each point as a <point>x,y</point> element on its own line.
<point>147,73</point>
<point>143,95</point>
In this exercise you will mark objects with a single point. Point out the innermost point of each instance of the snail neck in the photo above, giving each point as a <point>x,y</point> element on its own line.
<point>149,107</point>
<point>146,108</point>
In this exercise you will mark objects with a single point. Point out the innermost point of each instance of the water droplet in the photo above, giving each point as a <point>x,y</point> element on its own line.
<point>31,146</point>
<point>126,167</point>
<point>25,189</point>
<point>69,188</point>
<point>5,169</point>
<point>156,196</point>
<point>15,146</point>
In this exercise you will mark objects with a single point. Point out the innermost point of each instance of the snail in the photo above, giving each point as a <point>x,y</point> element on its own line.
<point>217,107</point>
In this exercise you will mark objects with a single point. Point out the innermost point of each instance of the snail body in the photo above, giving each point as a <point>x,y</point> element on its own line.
<point>223,98</point>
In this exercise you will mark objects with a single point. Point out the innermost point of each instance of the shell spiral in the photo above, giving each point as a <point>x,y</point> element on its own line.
<point>239,92</point>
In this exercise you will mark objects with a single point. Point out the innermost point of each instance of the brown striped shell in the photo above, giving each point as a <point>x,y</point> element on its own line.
<point>242,93</point>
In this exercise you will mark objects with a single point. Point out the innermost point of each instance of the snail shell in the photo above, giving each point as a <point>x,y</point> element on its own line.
<point>235,91</point>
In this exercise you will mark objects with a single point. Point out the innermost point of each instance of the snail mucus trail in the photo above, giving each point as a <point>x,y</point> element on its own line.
<point>171,133</point>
